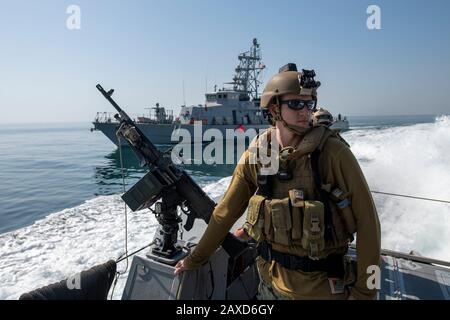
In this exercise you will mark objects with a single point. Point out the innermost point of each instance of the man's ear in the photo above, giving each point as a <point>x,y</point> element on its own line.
<point>272,108</point>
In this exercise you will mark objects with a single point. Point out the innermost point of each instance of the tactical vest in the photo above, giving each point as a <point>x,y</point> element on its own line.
<point>296,218</point>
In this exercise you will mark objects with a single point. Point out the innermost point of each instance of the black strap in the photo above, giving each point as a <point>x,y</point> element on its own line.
<point>322,193</point>
<point>333,265</point>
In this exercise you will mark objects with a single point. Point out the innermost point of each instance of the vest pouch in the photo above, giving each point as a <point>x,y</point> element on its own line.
<point>297,197</point>
<point>297,223</point>
<point>268,228</point>
<point>281,221</point>
<point>313,239</point>
<point>254,223</point>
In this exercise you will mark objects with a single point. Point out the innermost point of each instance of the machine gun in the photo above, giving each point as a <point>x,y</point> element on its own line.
<point>170,184</point>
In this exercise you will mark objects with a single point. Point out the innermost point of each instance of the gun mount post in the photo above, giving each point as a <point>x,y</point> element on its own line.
<point>166,249</point>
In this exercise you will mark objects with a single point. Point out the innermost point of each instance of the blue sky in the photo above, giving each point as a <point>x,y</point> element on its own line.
<point>145,50</point>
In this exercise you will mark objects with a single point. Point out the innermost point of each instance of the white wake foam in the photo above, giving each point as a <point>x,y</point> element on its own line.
<point>68,242</point>
<point>412,160</point>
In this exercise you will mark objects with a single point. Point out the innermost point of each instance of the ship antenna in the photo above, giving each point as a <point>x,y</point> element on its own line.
<point>149,112</point>
<point>248,72</point>
<point>184,97</point>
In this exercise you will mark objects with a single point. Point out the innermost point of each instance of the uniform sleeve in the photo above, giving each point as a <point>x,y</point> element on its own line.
<point>225,215</point>
<point>348,174</point>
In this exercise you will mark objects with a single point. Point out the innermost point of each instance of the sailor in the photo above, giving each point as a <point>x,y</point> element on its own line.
<point>322,116</point>
<point>304,216</point>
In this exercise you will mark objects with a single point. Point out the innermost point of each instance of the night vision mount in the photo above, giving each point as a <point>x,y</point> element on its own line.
<point>307,80</point>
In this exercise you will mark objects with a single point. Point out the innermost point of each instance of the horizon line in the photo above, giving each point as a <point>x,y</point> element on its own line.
<point>91,121</point>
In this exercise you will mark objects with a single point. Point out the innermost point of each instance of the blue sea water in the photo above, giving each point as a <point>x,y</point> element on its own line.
<point>45,168</point>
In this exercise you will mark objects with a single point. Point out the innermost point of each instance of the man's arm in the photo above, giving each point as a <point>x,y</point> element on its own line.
<point>225,215</point>
<point>347,174</point>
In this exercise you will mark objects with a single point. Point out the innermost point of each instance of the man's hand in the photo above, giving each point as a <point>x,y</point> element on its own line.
<point>180,267</point>
<point>241,234</point>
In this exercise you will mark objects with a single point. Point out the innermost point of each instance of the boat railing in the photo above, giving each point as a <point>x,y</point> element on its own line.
<point>105,117</point>
<point>108,117</point>
<point>157,116</point>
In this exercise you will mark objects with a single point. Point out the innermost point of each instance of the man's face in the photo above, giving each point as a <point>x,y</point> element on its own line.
<point>299,118</point>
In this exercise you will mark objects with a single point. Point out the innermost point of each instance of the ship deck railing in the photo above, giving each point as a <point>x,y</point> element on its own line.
<point>108,117</point>
<point>105,117</point>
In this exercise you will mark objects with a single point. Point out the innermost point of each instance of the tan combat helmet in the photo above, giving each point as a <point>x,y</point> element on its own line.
<point>322,116</point>
<point>289,80</point>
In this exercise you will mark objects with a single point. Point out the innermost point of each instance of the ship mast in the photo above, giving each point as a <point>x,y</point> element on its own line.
<point>247,80</point>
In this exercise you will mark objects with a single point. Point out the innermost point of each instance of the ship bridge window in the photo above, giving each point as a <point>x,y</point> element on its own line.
<point>211,97</point>
<point>244,97</point>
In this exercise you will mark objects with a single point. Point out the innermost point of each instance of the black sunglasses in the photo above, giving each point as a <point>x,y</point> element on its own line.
<point>296,104</point>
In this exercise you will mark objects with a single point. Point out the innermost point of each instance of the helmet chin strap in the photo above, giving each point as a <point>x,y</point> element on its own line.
<point>298,130</point>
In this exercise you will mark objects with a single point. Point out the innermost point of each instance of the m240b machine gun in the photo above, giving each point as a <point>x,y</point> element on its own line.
<point>168,188</point>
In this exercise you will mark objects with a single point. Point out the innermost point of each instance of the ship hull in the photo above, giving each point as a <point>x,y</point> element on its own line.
<point>162,133</point>
<point>340,126</point>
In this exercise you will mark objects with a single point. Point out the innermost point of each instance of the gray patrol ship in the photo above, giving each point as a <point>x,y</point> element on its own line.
<point>233,108</point>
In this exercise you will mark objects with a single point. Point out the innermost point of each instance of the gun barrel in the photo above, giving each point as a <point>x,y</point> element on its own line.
<point>107,95</point>
<point>140,144</point>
